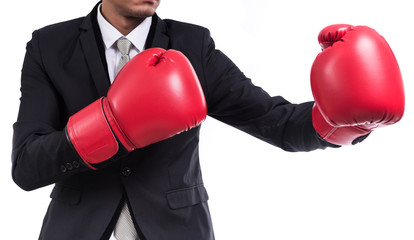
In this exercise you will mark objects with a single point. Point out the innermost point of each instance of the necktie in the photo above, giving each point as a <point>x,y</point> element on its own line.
<point>124,46</point>
<point>124,228</point>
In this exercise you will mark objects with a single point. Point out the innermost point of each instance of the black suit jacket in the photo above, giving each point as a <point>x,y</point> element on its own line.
<point>65,70</point>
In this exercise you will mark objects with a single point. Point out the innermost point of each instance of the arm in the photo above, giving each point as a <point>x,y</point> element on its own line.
<point>107,128</point>
<point>41,155</point>
<point>233,99</point>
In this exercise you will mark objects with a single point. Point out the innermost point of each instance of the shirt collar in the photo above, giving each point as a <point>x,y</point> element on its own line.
<point>110,34</point>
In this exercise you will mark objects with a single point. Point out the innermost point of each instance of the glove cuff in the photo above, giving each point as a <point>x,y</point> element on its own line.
<point>338,135</point>
<point>90,134</point>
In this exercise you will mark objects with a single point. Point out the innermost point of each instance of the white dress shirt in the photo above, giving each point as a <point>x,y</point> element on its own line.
<point>110,35</point>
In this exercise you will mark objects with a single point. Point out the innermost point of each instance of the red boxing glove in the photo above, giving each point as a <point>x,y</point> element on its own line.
<point>155,96</point>
<point>356,83</point>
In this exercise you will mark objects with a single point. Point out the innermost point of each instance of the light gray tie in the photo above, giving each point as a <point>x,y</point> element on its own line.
<point>124,46</point>
<point>124,228</point>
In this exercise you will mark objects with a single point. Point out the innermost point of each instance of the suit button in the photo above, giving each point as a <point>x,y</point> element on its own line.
<point>126,171</point>
<point>63,168</point>
<point>76,164</point>
<point>69,166</point>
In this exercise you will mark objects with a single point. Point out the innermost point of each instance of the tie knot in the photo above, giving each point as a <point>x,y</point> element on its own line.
<point>124,46</point>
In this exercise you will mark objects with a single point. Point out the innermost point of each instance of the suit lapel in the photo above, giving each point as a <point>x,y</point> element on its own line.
<point>158,36</point>
<point>90,48</point>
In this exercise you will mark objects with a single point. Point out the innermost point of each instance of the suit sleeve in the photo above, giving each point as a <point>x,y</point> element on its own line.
<point>233,99</point>
<point>41,154</point>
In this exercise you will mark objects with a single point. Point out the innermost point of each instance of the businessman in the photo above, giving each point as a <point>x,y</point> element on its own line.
<point>90,119</point>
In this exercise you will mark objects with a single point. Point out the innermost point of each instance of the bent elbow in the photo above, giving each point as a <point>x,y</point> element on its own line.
<point>23,182</point>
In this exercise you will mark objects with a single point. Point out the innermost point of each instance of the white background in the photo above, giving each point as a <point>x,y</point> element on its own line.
<point>256,191</point>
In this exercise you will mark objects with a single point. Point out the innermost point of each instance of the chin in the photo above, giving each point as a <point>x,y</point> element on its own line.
<point>141,12</point>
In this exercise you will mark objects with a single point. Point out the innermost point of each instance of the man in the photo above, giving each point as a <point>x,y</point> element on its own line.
<point>69,65</point>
